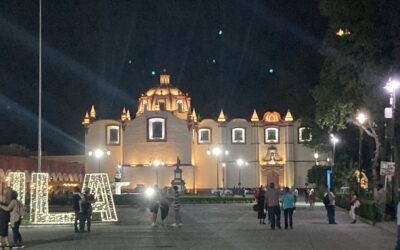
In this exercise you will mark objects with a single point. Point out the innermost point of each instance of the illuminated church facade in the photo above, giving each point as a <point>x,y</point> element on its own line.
<point>212,152</point>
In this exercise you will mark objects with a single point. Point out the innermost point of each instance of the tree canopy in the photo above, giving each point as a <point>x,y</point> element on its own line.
<point>361,50</point>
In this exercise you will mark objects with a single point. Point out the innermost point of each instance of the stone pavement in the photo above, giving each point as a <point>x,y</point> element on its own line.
<point>217,226</point>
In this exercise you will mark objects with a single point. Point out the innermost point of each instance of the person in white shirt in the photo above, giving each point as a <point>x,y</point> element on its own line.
<point>354,204</point>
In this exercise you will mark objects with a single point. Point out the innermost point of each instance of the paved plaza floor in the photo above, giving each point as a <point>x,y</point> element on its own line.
<point>217,226</point>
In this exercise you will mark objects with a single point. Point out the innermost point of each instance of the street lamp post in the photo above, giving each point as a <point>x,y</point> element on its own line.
<point>334,140</point>
<point>361,118</point>
<point>241,163</point>
<point>99,153</point>
<point>316,155</point>
<point>156,164</point>
<point>391,87</point>
<point>217,152</point>
<point>223,174</point>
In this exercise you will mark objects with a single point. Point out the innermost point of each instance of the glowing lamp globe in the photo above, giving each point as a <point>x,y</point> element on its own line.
<point>98,153</point>
<point>149,192</point>
<point>392,85</point>
<point>361,118</point>
<point>240,162</point>
<point>216,151</point>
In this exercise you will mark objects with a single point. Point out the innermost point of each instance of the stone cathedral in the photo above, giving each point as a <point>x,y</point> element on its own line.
<point>144,148</point>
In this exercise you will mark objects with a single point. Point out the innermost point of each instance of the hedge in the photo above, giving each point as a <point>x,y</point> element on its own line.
<point>214,199</point>
<point>367,208</point>
<point>141,200</point>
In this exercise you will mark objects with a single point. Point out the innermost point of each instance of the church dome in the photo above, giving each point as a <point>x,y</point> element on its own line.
<point>272,117</point>
<point>164,97</point>
<point>164,90</point>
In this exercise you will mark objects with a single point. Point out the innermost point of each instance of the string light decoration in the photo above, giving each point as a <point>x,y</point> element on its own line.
<point>39,209</point>
<point>17,183</point>
<point>99,186</point>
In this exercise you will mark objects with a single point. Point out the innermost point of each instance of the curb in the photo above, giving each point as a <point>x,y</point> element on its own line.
<point>370,222</point>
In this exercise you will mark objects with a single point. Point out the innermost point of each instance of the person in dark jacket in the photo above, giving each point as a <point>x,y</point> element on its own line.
<point>5,218</point>
<point>76,198</point>
<point>164,205</point>
<point>86,210</point>
<point>261,205</point>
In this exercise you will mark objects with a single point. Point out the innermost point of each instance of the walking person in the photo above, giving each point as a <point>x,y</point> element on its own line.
<point>354,204</point>
<point>177,207</point>
<point>295,194</point>
<point>380,202</point>
<point>306,195</point>
<point>398,223</point>
<point>17,211</point>
<point>164,205</point>
<point>311,198</point>
<point>274,211</point>
<point>260,196</point>
<point>86,210</point>
<point>288,207</point>
<point>329,202</point>
<point>155,205</point>
<point>76,198</point>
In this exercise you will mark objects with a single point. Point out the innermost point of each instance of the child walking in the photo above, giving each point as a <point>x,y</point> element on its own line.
<point>177,206</point>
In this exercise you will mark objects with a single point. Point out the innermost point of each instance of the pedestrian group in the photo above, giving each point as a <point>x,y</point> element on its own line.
<point>271,202</point>
<point>11,213</point>
<point>82,206</point>
<point>163,200</point>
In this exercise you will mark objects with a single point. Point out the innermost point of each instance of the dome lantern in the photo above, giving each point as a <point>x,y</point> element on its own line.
<point>164,78</point>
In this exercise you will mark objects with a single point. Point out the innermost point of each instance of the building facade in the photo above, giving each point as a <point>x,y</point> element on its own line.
<point>212,152</point>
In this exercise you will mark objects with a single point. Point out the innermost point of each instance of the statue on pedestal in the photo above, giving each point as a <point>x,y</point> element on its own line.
<point>178,181</point>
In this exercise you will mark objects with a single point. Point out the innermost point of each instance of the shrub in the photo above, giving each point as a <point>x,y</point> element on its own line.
<point>215,199</point>
<point>366,210</point>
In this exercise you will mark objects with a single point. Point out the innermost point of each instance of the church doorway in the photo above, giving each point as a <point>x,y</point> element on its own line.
<point>273,174</point>
<point>272,177</point>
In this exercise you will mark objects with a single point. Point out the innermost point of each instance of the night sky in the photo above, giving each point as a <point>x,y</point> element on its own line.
<point>235,55</point>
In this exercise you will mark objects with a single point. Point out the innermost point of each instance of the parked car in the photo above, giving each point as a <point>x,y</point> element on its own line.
<point>249,191</point>
<point>140,188</point>
<point>221,191</point>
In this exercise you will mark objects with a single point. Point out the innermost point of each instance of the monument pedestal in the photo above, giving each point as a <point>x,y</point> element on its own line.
<point>119,185</point>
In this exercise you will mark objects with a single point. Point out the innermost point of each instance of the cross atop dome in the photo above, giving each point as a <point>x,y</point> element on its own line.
<point>164,78</point>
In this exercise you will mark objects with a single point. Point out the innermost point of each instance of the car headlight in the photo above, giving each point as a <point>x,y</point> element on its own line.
<point>149,192</point>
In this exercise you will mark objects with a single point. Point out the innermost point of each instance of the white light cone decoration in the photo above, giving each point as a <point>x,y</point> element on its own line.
<point>99,185</point>
<point>17,183</point>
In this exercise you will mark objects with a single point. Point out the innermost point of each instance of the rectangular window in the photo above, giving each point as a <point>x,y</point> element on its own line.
<point>305,135</point>
<point>161,104</point>
<point>179,103</point>
<point>156,129</point>
<point>238,135</point>
<point>113,135</point>
<point>271,135</point>
<point>204,136</point>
